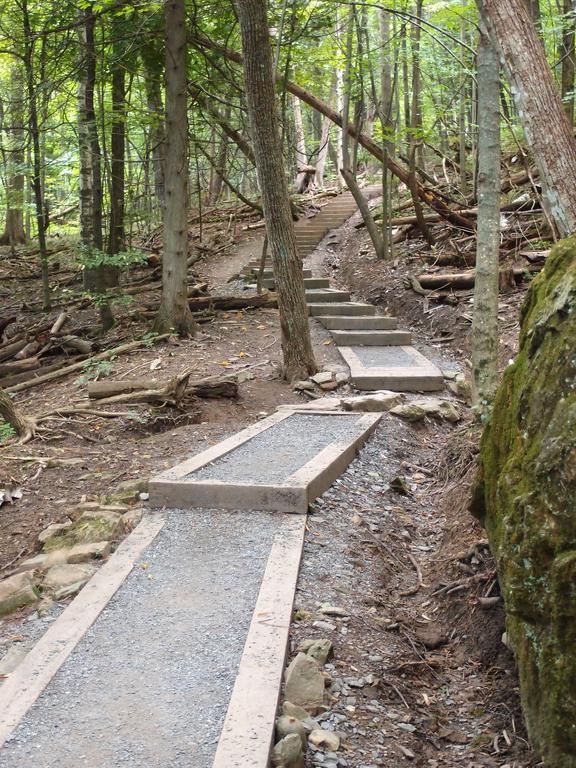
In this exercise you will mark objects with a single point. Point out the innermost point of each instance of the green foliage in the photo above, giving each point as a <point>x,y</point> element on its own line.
<point>7,431</point>
<point>94,370</point>
<point>92,258</point>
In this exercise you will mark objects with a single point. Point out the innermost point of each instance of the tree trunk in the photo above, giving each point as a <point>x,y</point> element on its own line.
<point>462,155</point>
<point>346,170</point>
<point>36,155</point>
<point>155,107</point>
<point>90,186</point>
<point>217,178</point>
<point>174,311</point>
<point>547,129</point>
<point>23,425</point>
<point>301,155</point>
<point>415,137</point>
<point>485,314</point>
<point>117,149</point>
<point>567,57</point>
<point>296,344</point>
<point>14,152</point>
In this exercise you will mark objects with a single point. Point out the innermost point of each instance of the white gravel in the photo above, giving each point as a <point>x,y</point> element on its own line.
<point>275,454</point>
<point>149,684</point>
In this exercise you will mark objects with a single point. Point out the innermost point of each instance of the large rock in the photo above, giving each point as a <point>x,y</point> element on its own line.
<point>17,591</point>
<point>304,683</point>
<point>318,649</point>
<point>94,526</point>
<point>288,752</point>
<point>63,581</point>
<point>376,402</point>
<point>526,497</point>
<point>416,410</point>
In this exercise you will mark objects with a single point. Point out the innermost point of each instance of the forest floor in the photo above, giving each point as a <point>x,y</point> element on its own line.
<point>440,673</point>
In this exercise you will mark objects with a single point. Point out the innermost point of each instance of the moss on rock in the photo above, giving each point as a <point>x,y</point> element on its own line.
<point>525,495</point>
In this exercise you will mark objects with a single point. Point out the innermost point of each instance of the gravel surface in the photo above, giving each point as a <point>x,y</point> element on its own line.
<point>149,684</point>
<point>274,455</point>
<point>373,357</point>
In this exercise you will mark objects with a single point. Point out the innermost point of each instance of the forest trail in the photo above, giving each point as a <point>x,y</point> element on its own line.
<point>189,598</point>
<point>150,681</point>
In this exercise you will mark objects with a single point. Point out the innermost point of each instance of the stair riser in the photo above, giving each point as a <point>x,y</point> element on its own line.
<point>318,297</point>
<point>372,338</point>
<point>359,323</point>
<point>356,310</point>
<point>310,283</point>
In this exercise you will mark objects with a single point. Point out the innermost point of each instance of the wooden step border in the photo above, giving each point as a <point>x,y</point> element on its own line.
<point>171,490</point>
<point>248,732</point>
<point>21,690</point>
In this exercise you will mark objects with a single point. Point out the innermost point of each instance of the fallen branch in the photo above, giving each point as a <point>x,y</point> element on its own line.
<point>79,365</point>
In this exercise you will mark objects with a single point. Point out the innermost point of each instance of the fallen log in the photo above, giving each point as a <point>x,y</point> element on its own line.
<point>64,371</point>
<point>207,388</point>
<point>266,300</point>
<point>9,350</point>
<point>464,280</point>
<point>179,392</point>
<point>19,365</point>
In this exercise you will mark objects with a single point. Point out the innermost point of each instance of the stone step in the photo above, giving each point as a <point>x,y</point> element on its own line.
<point>372,338</point>
<point>330,294</point>
<point>310,283</point>
<point>245,472</point>
<point>269,273</point>
<point>400,368</point>
<point>347,308</point>
<point>343,323</point>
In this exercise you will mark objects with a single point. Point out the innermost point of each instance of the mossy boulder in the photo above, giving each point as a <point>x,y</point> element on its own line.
<point>525,495</point>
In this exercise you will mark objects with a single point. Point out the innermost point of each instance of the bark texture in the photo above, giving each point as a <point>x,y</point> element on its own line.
<point>485,315</point>
<point>525,496</point>
<point>296,345</point>
<point>548,131</point>
<point>14,155</point>
<point>174,311</point>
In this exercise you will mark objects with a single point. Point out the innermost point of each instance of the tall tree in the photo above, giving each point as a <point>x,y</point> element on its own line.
<point>14,158</point>
<point>296,345</point>
<point>28,57</point>
<point>485,315</point>
<point>536,96</point>
<point>174,311</point>
<point>90,186</point>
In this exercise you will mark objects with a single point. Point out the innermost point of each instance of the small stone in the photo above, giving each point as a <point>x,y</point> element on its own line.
<point>53,530</point>
<point>61,578</point>
<point>131,519</point>
<point>333,610</point>
<point>299,713</point>
<point>304,683</point>
<point>32,563</point>
<point>45,607</point>
<point>83,553</point>
<point>342,377</point>
<point>286,724</point>
<point>321,738</point>
<point>431,636</point>
<point>324,625</point>
<point>12,658</point>
<point>322,378</point>
<point>287,753</point>
<point>328,386</point>
<point>318,649</point>
<point>376,402</point>
<point>17,591</point>
<point>301,386</point>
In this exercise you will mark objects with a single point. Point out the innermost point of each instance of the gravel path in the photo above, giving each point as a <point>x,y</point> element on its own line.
<point>389,357</point>
<point>149,684</point>
<point>274,455</point>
